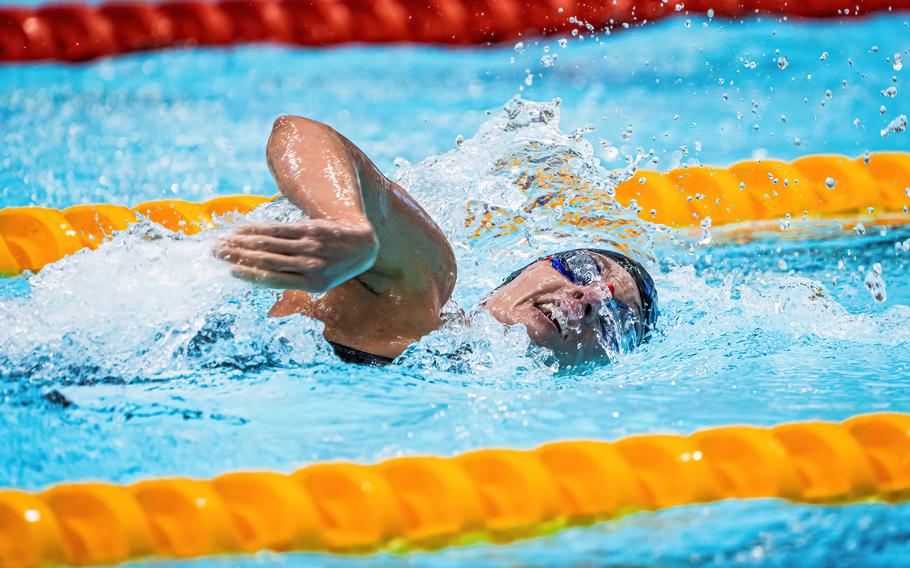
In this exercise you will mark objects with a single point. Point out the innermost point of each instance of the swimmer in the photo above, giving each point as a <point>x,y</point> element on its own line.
<point>372,265</point>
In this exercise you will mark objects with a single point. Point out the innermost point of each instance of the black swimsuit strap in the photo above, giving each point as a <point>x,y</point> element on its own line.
<point>358,357</point>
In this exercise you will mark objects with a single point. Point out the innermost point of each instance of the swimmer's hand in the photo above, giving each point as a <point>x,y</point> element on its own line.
<point>314,255</point>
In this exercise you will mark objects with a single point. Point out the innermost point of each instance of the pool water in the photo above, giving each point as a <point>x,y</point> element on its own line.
<point>145,358</point>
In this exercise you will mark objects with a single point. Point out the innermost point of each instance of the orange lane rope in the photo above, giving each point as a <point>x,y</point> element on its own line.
<point>816,185</point>
<point>429,502</point>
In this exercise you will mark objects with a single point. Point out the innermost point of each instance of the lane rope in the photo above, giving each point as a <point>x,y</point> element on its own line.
<point>494,495</point>
<point>764,190</point>
<point>77,32</point>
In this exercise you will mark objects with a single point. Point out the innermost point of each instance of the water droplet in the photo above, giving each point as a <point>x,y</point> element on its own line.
<point>875,283</point>
<point>899,124</point>
<point>710,13</point>
<point>898,62</point>
<point>520,47</point>
<point>890,92</point>
<point>859,229</point>
<point>548,60</point>
<point>563,42</point>
<point>857,123</point>
<point>830,182</point>
<point>782,62</point>
<point>459,140</point>
<point>823,56</point>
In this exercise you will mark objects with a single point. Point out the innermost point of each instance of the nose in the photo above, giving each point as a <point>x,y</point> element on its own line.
<point>584,301</point>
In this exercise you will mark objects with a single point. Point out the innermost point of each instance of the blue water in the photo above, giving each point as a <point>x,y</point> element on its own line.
<point>167,366</point>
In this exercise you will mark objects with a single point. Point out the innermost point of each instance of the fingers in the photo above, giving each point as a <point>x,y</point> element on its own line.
<point>308,228</point>
<point>273,279</point>
<point>274,245</point>
<point>269,261</point>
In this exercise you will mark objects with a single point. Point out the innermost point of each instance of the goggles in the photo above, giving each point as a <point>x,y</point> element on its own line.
<point>618,323</point>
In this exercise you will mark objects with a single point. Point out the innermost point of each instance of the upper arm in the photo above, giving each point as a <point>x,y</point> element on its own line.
<point>327,176</point>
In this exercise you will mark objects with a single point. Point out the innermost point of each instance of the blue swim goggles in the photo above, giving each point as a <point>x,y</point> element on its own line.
<point>618,323</point>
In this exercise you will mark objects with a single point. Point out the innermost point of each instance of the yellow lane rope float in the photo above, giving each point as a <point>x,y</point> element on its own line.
<point>31,237</point>
<point>429,502</point>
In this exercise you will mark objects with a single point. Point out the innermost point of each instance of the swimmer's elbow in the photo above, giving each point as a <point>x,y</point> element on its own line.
<point>292,134</point>
<point>299,125</point>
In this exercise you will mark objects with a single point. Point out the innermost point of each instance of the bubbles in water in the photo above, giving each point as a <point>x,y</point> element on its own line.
<point>520,47</point>
<point>459,140</point>
<point>563,42</point>
<point>898,62</point>
<point>823,56</point>
<point>890,92</point>
<point>830,182</point>
<point>860,229</point>
<point>875,283</point>
<point>783,62</point>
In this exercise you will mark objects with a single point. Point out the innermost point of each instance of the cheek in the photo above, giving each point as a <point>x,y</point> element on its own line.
<point>501,313</point>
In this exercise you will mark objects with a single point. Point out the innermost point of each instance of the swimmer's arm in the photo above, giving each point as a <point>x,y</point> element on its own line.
<point>360,224</point>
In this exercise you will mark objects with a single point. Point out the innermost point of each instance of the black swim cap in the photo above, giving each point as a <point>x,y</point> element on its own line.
<point>643,281</point>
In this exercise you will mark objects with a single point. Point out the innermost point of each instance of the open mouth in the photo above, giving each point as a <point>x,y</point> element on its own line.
<point>556,317</point>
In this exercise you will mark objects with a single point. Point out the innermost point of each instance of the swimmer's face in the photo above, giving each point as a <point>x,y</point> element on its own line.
<point>561,315</point>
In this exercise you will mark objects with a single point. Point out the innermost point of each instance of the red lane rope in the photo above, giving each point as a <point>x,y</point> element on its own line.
<point>73,32</point>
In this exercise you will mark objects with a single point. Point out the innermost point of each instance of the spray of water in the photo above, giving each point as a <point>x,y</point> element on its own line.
<point>151,304</point>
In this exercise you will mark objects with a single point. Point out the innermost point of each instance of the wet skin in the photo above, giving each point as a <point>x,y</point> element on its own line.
<point>381,267</point>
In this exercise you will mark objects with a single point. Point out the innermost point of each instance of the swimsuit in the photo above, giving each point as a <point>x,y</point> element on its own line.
<point>358,357</point>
